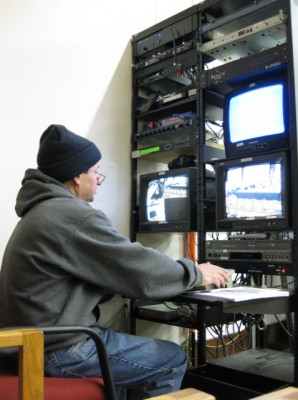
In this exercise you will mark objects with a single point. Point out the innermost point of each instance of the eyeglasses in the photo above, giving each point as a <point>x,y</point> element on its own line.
<point>100,177</point>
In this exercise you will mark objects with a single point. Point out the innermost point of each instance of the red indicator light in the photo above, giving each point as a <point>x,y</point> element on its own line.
<point>242,32</point>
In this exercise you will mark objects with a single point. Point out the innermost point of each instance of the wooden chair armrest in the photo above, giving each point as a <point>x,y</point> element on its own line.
<point>31,357</point>
<point>31,360</point>
<point>185,394</point>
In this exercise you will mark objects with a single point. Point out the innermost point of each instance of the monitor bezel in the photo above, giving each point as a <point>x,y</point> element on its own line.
<point>186,225</point>
<point>261,144</point>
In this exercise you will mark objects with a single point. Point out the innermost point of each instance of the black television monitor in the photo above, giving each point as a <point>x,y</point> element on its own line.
<point>256,118</point>
<point>253,193</point>
<point>167,201</point>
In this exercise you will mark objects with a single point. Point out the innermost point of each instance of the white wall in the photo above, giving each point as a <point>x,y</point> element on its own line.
<point>69,62</point>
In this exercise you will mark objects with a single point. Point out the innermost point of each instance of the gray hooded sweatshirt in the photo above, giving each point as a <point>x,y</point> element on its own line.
<point>64,257</point>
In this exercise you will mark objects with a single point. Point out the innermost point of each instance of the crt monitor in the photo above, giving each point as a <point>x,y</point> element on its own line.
<point>253,193</point>
<point>167,201</point>
<point>256,118</point>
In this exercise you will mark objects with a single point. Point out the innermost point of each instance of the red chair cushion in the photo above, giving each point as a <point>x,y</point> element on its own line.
<point>57,388</point>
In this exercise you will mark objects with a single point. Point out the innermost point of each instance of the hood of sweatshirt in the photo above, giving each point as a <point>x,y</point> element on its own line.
<point>38,187</point>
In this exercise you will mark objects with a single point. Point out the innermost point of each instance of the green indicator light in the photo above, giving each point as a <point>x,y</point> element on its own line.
<point>150,150</point>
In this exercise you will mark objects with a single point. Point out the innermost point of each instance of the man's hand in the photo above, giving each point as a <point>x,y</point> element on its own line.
<point>214,274</point>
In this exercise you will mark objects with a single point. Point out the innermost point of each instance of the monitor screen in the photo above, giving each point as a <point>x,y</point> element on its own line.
<point>166,198</point>
<point>253,193</point>
<point>168,201</point>
<point>256,118</point>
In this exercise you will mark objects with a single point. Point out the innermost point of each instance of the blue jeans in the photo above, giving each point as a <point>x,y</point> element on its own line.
<point>141,367</point>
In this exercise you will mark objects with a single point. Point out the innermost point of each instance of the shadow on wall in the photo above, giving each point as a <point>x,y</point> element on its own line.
<point>111,127</point>
<point>111,131</point>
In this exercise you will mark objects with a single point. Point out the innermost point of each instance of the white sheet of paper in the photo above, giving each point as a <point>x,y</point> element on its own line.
<point>243,293</point>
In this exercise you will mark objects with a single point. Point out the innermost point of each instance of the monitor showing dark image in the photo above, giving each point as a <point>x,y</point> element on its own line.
<point>168,201</point>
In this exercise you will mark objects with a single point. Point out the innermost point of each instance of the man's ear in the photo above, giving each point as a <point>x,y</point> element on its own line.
<point>77,180</point>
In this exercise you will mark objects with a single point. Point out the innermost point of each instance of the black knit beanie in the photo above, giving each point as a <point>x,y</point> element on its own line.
<point>63,155</point>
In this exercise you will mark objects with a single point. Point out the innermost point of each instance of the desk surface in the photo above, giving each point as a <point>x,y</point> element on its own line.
<point>274,305</point>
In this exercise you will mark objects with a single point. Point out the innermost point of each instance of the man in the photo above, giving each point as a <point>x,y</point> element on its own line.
<point>64,258</point>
